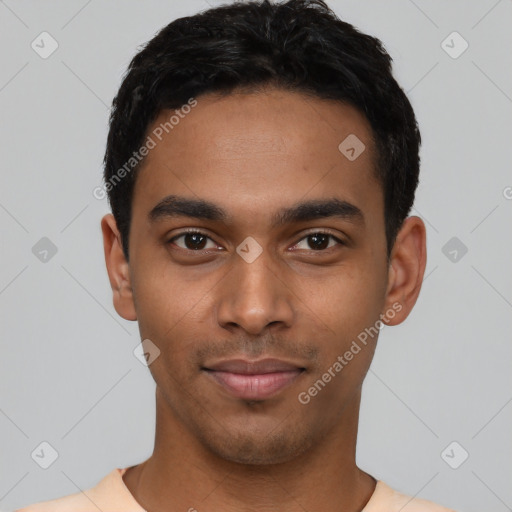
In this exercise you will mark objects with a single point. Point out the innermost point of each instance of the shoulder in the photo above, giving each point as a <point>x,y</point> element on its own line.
<point>394,501</point>
<point>76,502</point>
<point>108,494</point>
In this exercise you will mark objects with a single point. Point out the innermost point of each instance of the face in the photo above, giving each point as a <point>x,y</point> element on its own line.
<point>260,276</point>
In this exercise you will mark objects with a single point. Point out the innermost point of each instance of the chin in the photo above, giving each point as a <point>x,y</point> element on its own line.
<point>253,448</point>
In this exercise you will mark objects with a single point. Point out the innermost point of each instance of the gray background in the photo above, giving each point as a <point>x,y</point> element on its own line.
<point>68,373</point>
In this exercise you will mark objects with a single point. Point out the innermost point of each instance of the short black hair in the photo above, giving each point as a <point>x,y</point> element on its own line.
<point>297,45</point>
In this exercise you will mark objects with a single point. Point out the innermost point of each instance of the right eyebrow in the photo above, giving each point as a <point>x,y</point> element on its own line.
<point>176,206</point>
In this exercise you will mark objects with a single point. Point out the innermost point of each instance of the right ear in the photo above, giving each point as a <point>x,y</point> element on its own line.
<point>118,269</point>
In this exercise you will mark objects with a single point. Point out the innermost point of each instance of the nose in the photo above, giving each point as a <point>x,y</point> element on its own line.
<point>255,296</point>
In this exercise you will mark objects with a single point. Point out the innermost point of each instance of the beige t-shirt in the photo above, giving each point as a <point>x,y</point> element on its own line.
<point>112,495</point>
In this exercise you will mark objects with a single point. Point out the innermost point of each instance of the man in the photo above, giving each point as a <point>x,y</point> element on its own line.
<point>260,165</point>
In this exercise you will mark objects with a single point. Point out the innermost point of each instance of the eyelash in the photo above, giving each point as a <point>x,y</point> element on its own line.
<point>193,231</point>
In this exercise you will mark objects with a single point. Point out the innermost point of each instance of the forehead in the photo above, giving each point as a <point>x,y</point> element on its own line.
<point>257,152</point>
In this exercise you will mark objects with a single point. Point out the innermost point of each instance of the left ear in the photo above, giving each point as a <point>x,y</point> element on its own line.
<point>406,269</point>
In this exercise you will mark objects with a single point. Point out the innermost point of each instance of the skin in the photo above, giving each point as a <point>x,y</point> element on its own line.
<point>252,154</point>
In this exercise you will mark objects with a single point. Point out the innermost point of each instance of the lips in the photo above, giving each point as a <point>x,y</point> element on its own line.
<point>244,367</point>
<point>253,380</point>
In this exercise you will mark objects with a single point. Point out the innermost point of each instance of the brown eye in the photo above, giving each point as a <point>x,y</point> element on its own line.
<point>193,241</point>
<point>318,241</point>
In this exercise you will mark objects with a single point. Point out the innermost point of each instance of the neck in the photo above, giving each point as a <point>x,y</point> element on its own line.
<point>183,474</point>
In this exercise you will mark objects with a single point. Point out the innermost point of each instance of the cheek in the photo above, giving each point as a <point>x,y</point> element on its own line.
<point>347,348</point>
<point>351,309</point>
<point>165,301</point>
<point>172,312</point>
<point>349,301</point>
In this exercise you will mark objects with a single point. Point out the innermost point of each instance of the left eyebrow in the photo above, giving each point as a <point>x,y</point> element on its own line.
<point>176,206</point>
<point>318,209</point>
